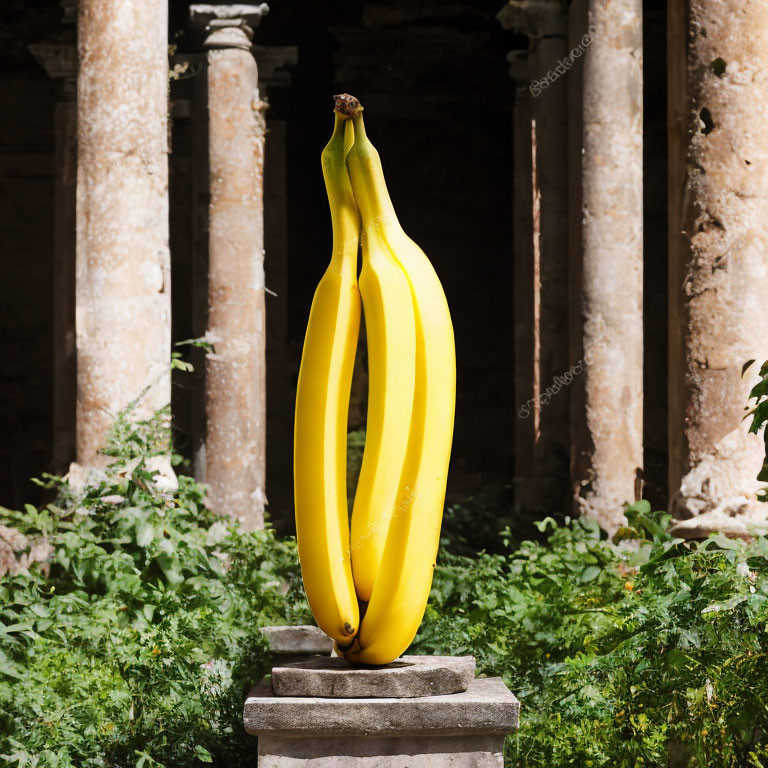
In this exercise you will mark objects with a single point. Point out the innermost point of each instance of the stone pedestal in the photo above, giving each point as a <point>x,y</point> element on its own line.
<point>462,730</point>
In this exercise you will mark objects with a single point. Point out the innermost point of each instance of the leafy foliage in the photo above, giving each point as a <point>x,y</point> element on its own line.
<point>650,651</point>
<point>477,522</point>
<point>138,647</point>
<point>759,414</point>
<point>355,447</point>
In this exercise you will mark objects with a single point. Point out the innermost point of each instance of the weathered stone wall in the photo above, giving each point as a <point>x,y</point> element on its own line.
<point>434,70</point>
<point>541,299</point>
<point>459,211</point>
<point>433,79</point>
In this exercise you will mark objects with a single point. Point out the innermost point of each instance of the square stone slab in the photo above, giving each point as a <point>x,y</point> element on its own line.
<point>406,677</point>
<point>486,707</point>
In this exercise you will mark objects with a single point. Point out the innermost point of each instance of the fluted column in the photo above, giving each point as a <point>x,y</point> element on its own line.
<point>123,268</point>
<point>235,370</point>
<point>718,249</point>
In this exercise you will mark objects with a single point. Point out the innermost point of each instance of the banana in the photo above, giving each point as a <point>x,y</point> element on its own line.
<point>322,402</point>
<point>402,570</point>
<point>391,334</point>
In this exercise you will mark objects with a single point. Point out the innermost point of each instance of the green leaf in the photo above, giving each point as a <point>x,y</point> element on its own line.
<point>725,605</point>
<point>171,568</point>
<point>590,573</point>
<point>22,626</point>
<point>40,609</point>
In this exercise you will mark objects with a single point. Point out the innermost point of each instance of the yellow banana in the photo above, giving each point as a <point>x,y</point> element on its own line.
<point>391,334</point>
<point>403,568</point>
<point>322,402</point>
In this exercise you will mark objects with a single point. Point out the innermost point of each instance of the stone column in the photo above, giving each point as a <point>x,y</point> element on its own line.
<point>59,59</point>
<point>545,23</point>
<point>610,457</point>
<point>718,240</point>
<point>235,371</point>
<point>123,284</point>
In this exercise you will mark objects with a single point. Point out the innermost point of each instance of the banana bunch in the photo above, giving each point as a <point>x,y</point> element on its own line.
<point>367,583</point>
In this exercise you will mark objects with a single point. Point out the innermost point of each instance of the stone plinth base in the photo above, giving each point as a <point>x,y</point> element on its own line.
<point>459,730</point>
<point>382,752</point>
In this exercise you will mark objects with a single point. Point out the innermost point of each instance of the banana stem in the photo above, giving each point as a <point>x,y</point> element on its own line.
<point>365,172</point>
<point>346,105</point>
<point>344,214</point>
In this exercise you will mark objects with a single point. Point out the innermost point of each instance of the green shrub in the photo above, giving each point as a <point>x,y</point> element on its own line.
<point>477,522</point>
<point>138,648</point>
<point>355,448</point>
<point>647,652</point>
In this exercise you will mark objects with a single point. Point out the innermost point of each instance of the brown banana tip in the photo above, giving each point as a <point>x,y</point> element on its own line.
<point>342,648</point>
<point>347,105</point>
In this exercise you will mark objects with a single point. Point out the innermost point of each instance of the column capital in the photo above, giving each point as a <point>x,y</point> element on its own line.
<point>58,55</point>
<point>535,18</point>
<point>227,26</point>
<point>59,60</point>
<point>70,11</point>
<point>518,68</point>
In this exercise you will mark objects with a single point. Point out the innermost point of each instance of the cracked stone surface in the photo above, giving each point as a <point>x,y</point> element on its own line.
<point>718,252</point>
